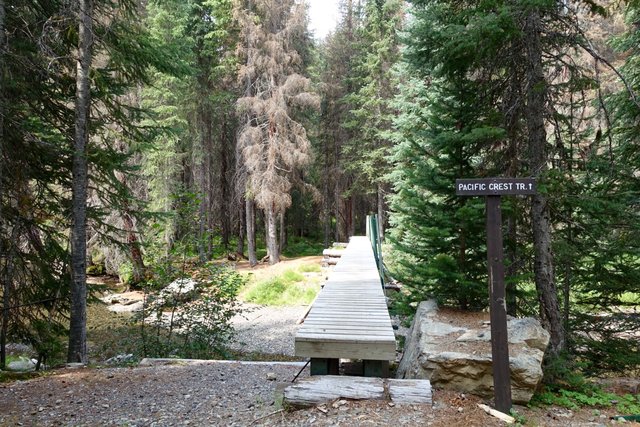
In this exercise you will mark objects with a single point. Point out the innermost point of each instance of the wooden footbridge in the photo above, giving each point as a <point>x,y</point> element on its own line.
<point>349,319</point>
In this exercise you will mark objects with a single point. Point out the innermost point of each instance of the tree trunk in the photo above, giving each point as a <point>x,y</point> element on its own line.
<point>251,231</point>
<point>77,351</point>
<point>511,268</point>
<point>283,233</point>
<point>326,214</point>
<point>137,262</point>
<point>225,204</point>
<point>340,212</point>
<point>273,250</point>
<point>6,292</point>
<point>543,263</point>
<point>241,228</point>
<point>381,212</point>
<point>351,211</point>
<point>133,243</point>
<point>5,282</point>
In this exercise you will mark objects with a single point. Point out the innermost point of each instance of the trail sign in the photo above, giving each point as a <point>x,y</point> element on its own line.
<point>493,189</point>
<point>495,186</point>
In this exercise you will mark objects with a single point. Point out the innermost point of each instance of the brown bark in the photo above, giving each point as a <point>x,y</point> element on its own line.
<point>5,281</point>
<point>273,250</point>
<point>326,203</point>
<point>283,233</point>
<point>251,231</point>
<point>135,251</point>
<point>351,210</point>
<point>543,263</point>
<point>77,351</point>
<point>241,228</point>
<point>511,268</point>
<point>381,212</point>
<point>225,202</point>
<point>205,173</point>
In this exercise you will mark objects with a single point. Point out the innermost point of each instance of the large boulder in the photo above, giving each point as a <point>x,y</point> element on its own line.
<point>23,364</point>
<point>180,290</point>
<point>458,356</point>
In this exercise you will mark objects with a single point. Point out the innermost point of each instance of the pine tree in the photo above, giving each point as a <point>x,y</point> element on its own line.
<point>439,236</point>
<point>273,144</point>
<point>489,57</point>
<point>340,52</point>
<point>371,114</point>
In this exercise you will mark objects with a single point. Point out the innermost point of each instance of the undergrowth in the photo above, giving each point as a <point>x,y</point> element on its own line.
<point>596,398</point>
<point>286,289</point>
<point>571,390</point>
<point>299,246</point>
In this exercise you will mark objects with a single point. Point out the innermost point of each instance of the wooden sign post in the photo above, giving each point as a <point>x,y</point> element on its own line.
<point>493,189</point>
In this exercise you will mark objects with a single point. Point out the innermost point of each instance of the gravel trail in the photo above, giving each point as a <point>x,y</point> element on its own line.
<point>267,330</point>
<point>203,394</point>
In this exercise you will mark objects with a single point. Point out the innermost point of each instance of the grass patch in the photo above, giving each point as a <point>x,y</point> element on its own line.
<point>309,268</point>
<point>286,289</point>
<point>290,276</point>
<point>111,334</point>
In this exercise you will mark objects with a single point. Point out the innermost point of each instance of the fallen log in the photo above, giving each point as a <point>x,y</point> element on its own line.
<point>322,389</point>
<point>410,391</point>
<point>327,388</point>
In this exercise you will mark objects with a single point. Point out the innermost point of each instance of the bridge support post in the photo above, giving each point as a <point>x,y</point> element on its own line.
<point>320,366</point>
<point>376,368</point>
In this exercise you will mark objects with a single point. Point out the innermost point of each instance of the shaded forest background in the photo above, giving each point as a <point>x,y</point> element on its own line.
<point>141,135</point>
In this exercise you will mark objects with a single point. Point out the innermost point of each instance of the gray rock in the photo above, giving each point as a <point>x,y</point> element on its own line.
<point>472,372</point>
<point>180,287</point>
<point>22,365</point>
<point>526,330</point>
<point>131,307</point>
<point>178,290</point>
<point>119,359</point>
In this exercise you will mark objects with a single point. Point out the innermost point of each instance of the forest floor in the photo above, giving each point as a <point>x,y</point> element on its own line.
<point>224,393</point>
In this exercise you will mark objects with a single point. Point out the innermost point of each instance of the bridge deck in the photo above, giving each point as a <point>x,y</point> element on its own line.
<point>349,318</point>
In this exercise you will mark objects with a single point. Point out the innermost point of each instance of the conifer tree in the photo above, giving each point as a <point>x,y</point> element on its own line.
<point>371,115</point>
<point>273,144</point>
<point>340,52</point>
<point>496,59</point>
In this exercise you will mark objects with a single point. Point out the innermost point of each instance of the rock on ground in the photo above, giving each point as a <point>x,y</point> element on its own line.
<point>458,356</point>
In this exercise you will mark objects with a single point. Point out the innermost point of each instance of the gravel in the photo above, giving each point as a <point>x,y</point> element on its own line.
<point>201,393</point>
<point>267,330</point>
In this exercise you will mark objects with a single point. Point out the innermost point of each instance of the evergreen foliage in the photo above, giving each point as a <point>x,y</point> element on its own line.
<point>474,67</point>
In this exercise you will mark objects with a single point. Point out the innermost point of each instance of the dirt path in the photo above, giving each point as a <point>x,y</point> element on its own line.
<point>229,394</point>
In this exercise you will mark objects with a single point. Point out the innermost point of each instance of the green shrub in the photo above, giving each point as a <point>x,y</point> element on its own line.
<point>125,273</point>
<point>197,327</point>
